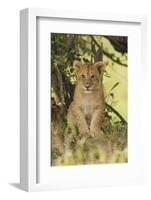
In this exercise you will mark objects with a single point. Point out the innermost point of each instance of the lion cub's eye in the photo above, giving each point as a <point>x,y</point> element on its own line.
<point>82,76</point>
<point>92,76</point>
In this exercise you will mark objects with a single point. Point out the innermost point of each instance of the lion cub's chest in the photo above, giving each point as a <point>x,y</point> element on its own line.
<point>87,106</point>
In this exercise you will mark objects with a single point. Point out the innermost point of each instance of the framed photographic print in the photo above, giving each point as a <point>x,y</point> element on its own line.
<point>82,91</point>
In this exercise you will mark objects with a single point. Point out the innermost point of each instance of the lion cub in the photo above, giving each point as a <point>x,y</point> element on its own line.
<point>87,108</point>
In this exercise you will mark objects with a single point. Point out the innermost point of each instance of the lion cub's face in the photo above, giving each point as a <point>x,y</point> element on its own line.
<point>89,75</point>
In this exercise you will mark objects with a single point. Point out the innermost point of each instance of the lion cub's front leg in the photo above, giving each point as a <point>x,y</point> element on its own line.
<point>96,123</point>
<point>76,119</point>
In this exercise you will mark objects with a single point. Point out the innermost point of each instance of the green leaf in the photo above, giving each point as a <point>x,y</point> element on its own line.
<point>114,86</point>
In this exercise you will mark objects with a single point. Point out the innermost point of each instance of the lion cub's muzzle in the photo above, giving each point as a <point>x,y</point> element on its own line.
<point>87,89</point>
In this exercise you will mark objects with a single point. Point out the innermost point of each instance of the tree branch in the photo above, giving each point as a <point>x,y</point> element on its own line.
<point>116,112</point>
<point>119,43</point>
<point>108,54</point>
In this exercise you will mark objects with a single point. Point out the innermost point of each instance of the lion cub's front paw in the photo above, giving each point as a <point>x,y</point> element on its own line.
<point>94,132</point>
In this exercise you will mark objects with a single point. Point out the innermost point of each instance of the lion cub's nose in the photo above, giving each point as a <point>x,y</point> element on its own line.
<point>87,86</point>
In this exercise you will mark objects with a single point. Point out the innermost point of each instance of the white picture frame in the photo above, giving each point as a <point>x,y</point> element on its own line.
<point>29,148</point>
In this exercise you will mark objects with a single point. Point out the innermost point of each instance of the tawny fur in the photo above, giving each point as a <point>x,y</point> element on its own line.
<point>86,111</point>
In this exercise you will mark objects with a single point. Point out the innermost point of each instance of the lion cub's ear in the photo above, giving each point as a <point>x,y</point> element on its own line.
<point>100,66</point>
<point>77,65</point>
